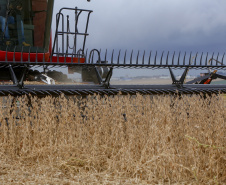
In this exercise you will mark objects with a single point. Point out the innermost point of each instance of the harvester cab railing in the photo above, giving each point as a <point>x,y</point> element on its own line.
<point>70,39</point>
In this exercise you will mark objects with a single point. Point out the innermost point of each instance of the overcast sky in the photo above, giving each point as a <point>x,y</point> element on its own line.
<point>174,25</point>
<point>197,25</point>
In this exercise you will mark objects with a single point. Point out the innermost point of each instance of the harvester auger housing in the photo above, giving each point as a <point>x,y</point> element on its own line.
<point>69,51</point>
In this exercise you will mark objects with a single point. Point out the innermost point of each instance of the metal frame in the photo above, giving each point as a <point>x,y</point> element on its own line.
<point>118,61</point>
<point>85,90</point>
<point>152,60</point>
<point>60,17</point>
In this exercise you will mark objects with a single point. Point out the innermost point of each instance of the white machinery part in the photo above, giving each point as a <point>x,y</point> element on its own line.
<point>46,79</point>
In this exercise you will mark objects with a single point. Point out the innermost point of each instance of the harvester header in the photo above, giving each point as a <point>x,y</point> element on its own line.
<point>26,43</point>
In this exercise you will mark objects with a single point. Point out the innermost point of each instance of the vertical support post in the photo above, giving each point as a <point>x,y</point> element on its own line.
<point>100,80</point>
<point>108,78</point>
<point>21,81</point>
<point>76,30</point>
<point>19,28</point>
<point>87,23</point>
<point>13,76</point>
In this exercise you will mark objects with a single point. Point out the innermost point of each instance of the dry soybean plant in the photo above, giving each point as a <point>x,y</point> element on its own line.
<point>130,139</point>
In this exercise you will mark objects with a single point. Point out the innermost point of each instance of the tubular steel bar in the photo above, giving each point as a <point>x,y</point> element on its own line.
<point>120,59</point>
<point>85,90</point>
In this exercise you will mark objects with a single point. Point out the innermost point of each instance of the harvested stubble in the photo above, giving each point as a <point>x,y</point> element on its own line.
<point>114,140</point>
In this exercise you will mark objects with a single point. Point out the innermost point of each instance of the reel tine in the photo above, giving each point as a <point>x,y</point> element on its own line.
<point>161,58</point>
<point>112,56</point>
<point>137,56</point>
<point>99,57</point>
<point>167,58</point>
<point>79,58</point>
<point>6,54</point>
<point>50,58</point>
<point>173,58</point>
<point>119,56</point>
<point>178,60</point>
<point>184,58</point>
<point>105,58</point>
<point>196,58</point>
<point>29,53</point>
<point>14,53</point>
<point>212,58</point>
<point>72,56</point>
<point>92,57</point>
<point>155,58</point>
<point>190,59</point>
<point>201,59</point>
<point>143,57</point>
<point>36,55</point>
<point>21,54</point>
<point>149,59</point>
<point>131,57</point>
<point>43,59</point>
<point>217,58</point>
<point>222,60</point>
<point>206,58</point>
<point>125,57</point>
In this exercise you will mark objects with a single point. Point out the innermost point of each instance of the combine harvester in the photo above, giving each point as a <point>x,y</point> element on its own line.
<point>18,55</point>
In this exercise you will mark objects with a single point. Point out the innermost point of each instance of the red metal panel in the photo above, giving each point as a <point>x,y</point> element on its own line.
<point>11,56</point>
<point>39,21</point>
<point>67,59</point>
